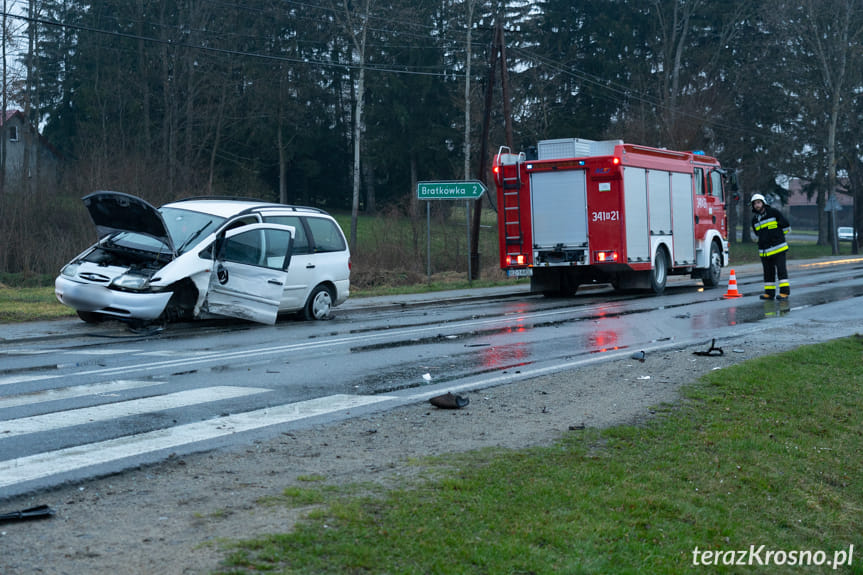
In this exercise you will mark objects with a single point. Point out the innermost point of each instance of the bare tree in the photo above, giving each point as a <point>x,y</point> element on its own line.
<point>832,35</point>
<point>469,7</point>
<point>356,25</point>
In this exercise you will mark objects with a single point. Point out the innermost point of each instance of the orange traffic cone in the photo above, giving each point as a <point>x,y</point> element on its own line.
<point>732,287</point>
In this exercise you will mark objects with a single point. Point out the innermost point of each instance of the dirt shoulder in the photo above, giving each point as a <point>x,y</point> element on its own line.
<point>166,518</point>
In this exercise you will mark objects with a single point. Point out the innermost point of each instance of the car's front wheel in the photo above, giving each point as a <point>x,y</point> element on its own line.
<point>91,316</point>
<point>319,304</point>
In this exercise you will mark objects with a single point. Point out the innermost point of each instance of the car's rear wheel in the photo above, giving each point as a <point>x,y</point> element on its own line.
<point>319,304</point>
<point>91,316</point>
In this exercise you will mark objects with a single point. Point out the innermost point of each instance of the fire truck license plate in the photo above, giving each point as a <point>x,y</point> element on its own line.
<point>519,273</point>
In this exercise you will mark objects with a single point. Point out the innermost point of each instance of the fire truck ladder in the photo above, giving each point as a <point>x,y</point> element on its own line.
<point>511,198</point>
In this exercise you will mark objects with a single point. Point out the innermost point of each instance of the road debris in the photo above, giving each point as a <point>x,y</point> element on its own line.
<point>38,512</point>
<point>712,351</point>
<point>449,401</point>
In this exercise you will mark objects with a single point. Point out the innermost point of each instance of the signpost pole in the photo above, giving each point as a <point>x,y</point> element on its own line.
<point>428,240</point>
<point>467,214</point>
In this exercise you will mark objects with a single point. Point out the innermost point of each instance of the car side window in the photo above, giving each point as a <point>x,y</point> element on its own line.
<point>277,244</point>
<point>326,235</point>
<point>301,240</point>
<point>244,248</point>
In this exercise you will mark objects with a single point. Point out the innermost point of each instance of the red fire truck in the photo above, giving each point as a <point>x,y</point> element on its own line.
<point>574,211</point>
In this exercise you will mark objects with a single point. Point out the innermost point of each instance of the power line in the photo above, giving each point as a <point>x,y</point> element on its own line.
<point>390,68</point>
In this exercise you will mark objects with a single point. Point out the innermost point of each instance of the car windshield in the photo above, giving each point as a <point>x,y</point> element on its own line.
<point>136,241</point>
<point>188,228</point>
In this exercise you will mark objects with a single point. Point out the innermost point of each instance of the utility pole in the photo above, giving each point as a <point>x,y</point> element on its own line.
<point>497,55</point>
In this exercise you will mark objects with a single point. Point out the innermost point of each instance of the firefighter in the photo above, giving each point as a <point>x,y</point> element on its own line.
<point>771,226</point>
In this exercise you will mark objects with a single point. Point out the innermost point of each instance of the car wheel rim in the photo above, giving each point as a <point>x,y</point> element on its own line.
<point>321,304</point>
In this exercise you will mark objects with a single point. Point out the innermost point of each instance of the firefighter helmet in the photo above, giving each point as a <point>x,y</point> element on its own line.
<point>757,197</point>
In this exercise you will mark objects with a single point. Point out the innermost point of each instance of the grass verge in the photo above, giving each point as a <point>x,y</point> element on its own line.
<point>30,304</point>
<point>767,452</point>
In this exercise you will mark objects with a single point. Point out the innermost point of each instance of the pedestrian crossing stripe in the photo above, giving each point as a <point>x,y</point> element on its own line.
<point>109,389</point>
<point>111,411</point>
<point>42,465</point>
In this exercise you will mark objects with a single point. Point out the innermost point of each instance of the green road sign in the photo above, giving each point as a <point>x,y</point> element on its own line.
<point>464,190</point>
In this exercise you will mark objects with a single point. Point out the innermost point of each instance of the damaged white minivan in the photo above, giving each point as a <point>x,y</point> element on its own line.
<point>205,257</point>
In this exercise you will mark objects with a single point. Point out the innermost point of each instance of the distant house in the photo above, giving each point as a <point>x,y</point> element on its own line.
<point>42,158</point>
<point>802,211</point>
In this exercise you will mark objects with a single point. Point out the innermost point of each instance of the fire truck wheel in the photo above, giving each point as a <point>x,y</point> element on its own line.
<point>712,274</point>
<point>659,274</point>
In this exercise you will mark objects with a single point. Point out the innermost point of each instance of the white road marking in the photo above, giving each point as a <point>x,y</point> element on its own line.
<point>30,351</point>
<point>76,391</point>
<point>104,351</point>
<point>42,465</point>
<point>52,421</point>
<point>12,379</point>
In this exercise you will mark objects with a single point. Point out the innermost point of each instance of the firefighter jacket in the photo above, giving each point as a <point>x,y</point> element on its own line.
<point>770,226</point>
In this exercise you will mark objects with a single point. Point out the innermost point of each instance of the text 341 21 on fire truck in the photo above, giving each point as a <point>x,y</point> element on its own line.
<point>574,212</point>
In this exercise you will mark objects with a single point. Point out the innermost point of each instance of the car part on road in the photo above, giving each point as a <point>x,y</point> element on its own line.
<point>712,351</point>
<point>38,512</point>
<point>449,401</point>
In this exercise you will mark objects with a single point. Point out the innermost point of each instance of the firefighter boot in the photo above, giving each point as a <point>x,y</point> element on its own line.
<point>784,290</point>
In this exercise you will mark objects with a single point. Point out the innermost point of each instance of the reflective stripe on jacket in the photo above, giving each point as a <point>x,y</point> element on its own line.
<point>770,226</point>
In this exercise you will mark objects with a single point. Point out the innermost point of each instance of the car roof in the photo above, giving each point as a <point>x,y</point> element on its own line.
<point>228,207</point>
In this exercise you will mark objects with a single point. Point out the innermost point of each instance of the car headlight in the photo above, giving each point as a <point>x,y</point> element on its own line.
<point>132,282</point>
<point>70,270</point>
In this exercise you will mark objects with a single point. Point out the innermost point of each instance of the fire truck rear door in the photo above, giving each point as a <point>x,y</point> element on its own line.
<point>683,223</point>
<point>559,206</point>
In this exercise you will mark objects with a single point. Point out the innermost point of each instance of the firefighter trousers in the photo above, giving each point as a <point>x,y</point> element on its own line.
<point>775,268</point>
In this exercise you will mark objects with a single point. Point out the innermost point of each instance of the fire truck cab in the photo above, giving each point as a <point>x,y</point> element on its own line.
<point>575,211</point>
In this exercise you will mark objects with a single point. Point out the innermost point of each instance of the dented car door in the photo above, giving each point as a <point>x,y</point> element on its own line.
<point>249,272</point>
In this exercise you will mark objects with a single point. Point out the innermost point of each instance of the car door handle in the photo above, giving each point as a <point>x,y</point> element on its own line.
<point>310,266</point>
<point>275,282</point>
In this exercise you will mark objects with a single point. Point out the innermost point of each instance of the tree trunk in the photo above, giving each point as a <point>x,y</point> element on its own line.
<point>360,47</point>
<point>470,6</point>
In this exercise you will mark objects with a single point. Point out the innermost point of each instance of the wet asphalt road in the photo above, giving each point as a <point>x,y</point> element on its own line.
<point>78,400</point>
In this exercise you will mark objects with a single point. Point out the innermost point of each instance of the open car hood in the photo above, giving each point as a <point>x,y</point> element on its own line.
<point>118,212</point>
